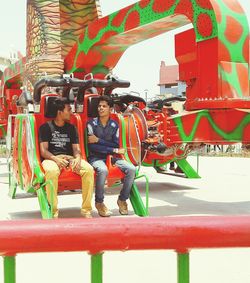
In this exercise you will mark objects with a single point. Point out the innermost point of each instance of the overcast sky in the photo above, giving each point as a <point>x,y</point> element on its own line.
<point>140,64</point>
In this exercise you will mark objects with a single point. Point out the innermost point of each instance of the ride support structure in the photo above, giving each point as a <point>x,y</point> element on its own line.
<point>71,38</point>
<point>213,60</point>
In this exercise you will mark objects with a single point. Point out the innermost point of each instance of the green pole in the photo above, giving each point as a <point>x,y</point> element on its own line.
<point>189,171</point>
<point>137,202</point>
<point>183,267</point>
<point>96,268</point>
<point>9,269</point>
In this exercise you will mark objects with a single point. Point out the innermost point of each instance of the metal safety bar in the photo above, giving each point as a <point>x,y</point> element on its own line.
<point>121,234</point>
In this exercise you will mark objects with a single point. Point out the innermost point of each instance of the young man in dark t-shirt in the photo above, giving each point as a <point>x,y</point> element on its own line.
<point>59,147</point>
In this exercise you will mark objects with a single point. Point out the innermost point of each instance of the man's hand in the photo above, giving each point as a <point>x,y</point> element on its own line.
<point>76,164</point>
<point>119,150</point>
<point>93,139</point>
<point>61,162</point>
<point>65,156</point>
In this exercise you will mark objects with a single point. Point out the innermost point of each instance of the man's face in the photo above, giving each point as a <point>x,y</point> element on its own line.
<point>66,113</point>
<point>103,109</point>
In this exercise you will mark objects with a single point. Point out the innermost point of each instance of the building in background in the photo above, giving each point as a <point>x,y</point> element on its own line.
<point>170,84</point>
<point>169,81</point>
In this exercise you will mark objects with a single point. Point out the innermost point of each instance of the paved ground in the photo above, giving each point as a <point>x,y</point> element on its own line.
<point>223,190</point>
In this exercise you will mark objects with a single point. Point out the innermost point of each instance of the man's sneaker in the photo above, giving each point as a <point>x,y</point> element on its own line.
<point>86,214</point>
<point>123,207</point>
<point>102,209</point>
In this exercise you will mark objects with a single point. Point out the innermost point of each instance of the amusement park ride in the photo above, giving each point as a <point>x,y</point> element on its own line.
<point>71,46</point>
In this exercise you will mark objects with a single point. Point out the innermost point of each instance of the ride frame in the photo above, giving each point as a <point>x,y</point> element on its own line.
<point>217,105</point>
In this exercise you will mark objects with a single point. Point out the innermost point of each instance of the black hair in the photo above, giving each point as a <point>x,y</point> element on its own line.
<point>107,99</point>
<point>59,104</point>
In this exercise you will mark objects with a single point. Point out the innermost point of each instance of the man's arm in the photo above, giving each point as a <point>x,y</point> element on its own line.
<point>76,162</point>
<point>76,151</point>
<point>115,139</point>
<point>101,148</point>
<point>101,142</point>
<point>114,144</point>
<point>96,145</point>
<point>92,138</point>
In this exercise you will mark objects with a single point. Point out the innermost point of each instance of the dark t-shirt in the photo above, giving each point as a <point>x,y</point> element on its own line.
<point>60,139</point>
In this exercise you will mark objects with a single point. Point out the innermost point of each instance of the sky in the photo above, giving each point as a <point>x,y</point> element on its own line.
<point>140,63</point>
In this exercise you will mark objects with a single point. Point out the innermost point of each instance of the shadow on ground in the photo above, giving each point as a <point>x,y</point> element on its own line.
<point>179,202</point>
<point>165,199</point>
<point>71,212</point>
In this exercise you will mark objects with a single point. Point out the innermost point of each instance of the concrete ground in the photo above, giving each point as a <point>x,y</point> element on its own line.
<point>224,189</point>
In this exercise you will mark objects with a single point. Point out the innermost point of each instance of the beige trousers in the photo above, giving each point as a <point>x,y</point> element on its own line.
<point>52,173</point>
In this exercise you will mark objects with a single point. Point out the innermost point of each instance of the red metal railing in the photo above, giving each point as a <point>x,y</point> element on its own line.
<point>98,235</point>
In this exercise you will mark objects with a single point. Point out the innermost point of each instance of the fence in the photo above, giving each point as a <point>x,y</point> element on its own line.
<point>121,234</point>
<point>236,149</point>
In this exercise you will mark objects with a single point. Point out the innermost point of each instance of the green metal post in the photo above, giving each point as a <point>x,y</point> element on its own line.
<point>45,209</point>
<point>147,189</point>
<point>9,269</point>
<point>187,168</point>
<point>137,202</point>
<point>183,267</point>
<point>96,268</point>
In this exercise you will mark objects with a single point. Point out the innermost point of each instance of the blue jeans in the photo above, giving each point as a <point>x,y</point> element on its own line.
<point>101,174</point>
